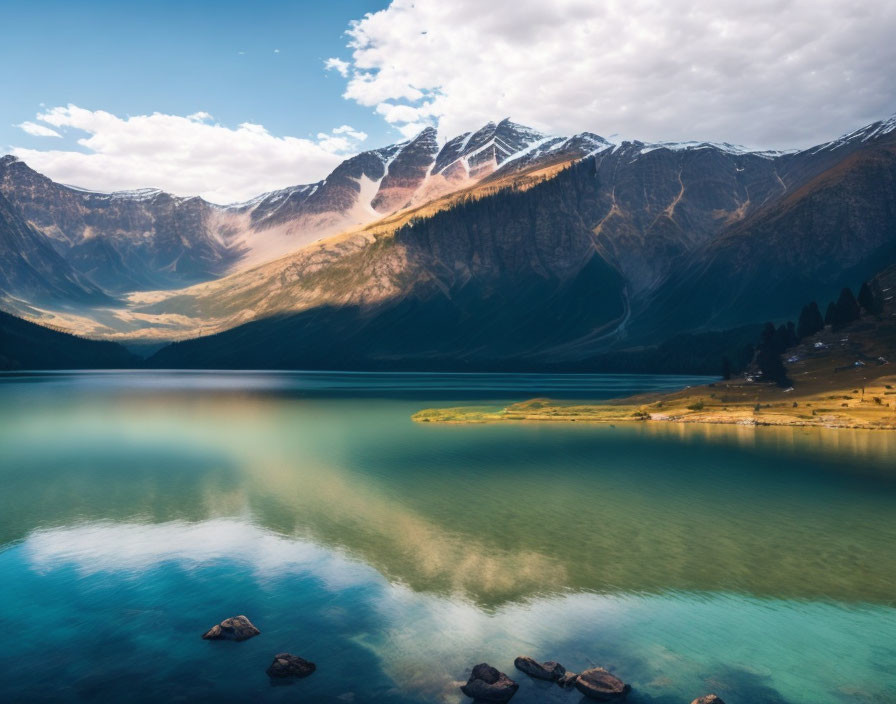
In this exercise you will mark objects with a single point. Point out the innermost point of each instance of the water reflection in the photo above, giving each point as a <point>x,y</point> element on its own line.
<point>174,578</point>
<point>491,513</point>
<point>754,562</point>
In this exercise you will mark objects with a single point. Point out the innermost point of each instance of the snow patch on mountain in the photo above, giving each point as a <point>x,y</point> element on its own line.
<point>862,135</point>
<point>726,147</point>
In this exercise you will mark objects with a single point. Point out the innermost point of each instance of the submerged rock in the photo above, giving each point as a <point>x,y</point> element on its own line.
<point>235,628</point>
<point>489,685</point>
<point>289,665</point>
<point>708,699</point>
<point>549,670</point>
<point>568,679</point>
<point>599,684</point>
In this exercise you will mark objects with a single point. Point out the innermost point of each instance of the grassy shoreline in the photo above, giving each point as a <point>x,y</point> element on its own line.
<point>845,382</point>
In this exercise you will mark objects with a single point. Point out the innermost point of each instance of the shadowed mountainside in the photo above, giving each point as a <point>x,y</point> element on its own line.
<point>24,345</point>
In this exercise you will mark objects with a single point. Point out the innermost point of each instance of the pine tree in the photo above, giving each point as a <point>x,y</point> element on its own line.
<point>792,338</point>
<point>846,310</point>
<point>810,321</point>
<point>781,339</point>
<point>868,299</point>
<point>768,356</point>
<point>830,313</point>
<point>726,368</point>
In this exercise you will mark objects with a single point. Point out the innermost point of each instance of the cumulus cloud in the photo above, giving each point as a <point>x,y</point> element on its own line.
<point>337,65</point>
<point>189,155</point>
<point>769,73</point>
<point>36,130</point>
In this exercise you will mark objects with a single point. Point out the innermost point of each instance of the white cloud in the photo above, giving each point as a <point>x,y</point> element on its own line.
<point>351,132</point>
<point>184,155</point>
<point>337,65</point>
<point>770,73</point>
<point>36,130</point>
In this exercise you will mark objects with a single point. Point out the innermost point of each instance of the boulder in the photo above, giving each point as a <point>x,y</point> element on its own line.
<point>708,699</point>
<point>549,670</point>
<point>487,684</point>
<point>235,628</point>
<point>597,683</point>
<point>568,679</point>
<point>288,665</point>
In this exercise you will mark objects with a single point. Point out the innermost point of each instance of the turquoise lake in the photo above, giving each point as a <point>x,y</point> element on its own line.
<point>139,509</point>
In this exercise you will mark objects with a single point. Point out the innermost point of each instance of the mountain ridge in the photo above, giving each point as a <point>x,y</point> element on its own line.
<point>653,212</point>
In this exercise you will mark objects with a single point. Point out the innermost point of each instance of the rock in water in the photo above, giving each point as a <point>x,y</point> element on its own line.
<point>708,699</point>
<point>288,665</point>
<point>489,685</point>
<point>599,684</point>
<point>549,670</point>
<point>236,628</point>
<point>568,679</point>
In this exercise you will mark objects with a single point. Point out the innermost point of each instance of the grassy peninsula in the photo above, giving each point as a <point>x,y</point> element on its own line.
<point>841,379</point>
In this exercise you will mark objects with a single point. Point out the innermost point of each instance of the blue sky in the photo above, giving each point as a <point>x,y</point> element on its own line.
<point>180,58</point>
<point>230,99</point>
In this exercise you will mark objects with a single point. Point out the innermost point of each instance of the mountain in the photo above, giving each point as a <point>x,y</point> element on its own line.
<point>835,228</point>
<point>149,240</point>
<point>507,248</point>
<point>125,241</point>
<point>632,246</point>
<point>490,279</point>
<point>31,267</point>
<point>24,345</point>
<point>383,181</point>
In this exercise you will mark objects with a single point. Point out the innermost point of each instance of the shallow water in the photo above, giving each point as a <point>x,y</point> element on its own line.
<point>139,509</point>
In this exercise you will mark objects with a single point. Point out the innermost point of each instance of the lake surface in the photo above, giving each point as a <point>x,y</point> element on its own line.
<point>137,510</point>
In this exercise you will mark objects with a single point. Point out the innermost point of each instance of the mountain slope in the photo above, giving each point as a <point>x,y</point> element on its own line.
<point>133,240</point>
<point>628,247</point>
<point>507,276</point>
<point>646,209</point>
<point>149,240</point>
<point>31,268</point>
<point>24,345</point>
<point>834,230</point>
<point>506,247</point>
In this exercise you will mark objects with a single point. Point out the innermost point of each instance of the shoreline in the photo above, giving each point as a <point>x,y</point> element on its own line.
<point>854,402</point>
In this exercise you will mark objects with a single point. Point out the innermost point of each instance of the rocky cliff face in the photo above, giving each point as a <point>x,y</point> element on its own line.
<point>34,270</point>
<point>121,241</point>
<point>835,230</point>
<point>406,173</point>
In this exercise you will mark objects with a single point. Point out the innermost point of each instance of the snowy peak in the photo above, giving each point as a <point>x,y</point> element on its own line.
<point>406,172</point>
<point>865,134</point>
<point>481,152</point>
<point>554,149</point>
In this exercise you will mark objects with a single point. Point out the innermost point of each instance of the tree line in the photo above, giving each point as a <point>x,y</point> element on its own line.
<point>775,341</point>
